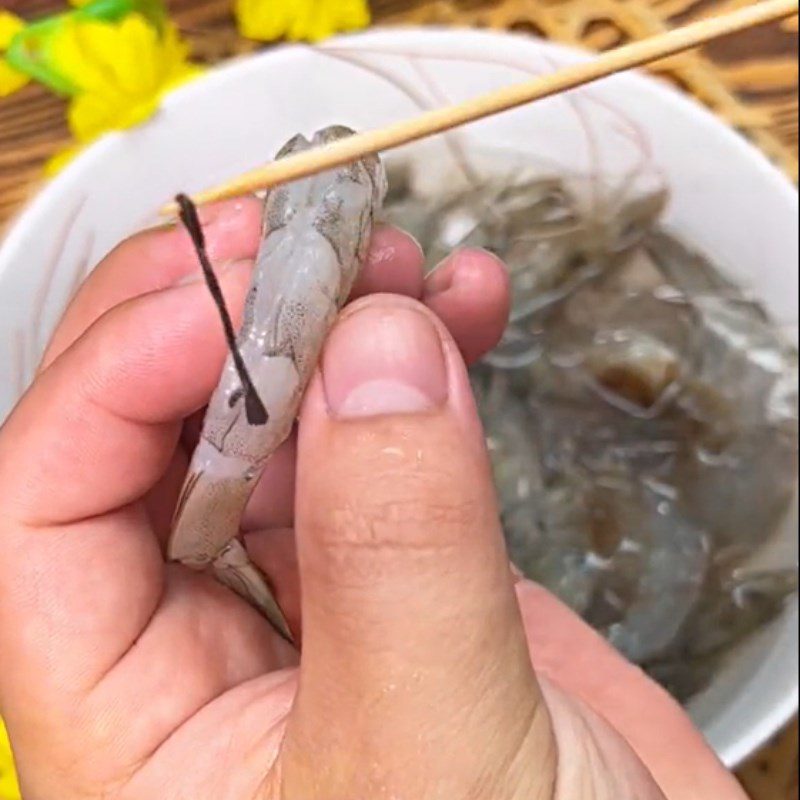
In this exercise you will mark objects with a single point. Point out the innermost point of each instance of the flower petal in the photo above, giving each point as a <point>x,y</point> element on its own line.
<point>122,70</point>
<point>10,81</point>
<point>136,56</point>
<point>71,54</point>
<point>299,20</point>
<point>9,789</point>
<point>10,26</point>
<point>60,160</point>
<point>90,114</point>
<point>266,21</point>
<point>335,17</point>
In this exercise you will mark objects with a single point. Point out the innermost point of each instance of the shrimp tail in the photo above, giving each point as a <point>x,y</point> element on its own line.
<point>234,568</point>
<point>207,510</point>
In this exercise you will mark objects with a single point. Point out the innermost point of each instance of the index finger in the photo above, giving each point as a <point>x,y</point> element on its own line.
<point>159,257</point>
<point>154,259</point>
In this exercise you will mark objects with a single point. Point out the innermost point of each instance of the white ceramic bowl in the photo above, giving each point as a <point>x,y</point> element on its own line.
<point>725,197</point>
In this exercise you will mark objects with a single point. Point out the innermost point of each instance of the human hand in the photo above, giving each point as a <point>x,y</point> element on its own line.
<point>126,678</point>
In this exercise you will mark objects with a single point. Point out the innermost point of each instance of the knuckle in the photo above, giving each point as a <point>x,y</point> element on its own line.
<point>408,523</point>
<point>395,509</point>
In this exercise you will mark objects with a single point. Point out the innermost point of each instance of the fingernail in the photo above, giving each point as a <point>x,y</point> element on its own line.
<point>470,262</point>
<point>196,276</point>
<point>383,359</point>
<point>384,241</point>
<point>443,263</point>
<point>440,278</point>
<point>415,242</point>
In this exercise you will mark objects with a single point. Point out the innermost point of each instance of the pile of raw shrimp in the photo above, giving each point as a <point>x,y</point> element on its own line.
<point>641,413</point>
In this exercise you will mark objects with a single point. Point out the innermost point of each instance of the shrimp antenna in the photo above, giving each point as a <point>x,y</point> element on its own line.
<point>254,408</point>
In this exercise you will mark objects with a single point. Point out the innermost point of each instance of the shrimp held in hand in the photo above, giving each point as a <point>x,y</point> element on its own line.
<point>314,240</point>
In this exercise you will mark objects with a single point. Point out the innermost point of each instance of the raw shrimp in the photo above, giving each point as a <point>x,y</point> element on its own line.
<point>640,411</point>
<point>665,579</point>
<point>732,608</point>
<point>545,525</point>
<point>544,229</point>
<point>314,240</point>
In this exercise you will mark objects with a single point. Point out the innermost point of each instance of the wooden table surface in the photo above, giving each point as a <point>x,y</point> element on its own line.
<point>749,79</point>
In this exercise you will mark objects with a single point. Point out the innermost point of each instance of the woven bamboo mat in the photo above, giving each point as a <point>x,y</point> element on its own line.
<point>750,80</point>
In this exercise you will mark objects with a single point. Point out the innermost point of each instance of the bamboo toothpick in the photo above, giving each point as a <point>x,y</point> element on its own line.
<point>439,120</point>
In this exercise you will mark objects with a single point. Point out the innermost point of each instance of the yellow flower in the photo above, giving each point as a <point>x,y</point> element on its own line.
<point>30,49</point>
<point>55,164</point>
<point>121,71</point>
<point>10,26</point>
<point>9,790</point>
<point>10,78</point>
<point>299,20</point>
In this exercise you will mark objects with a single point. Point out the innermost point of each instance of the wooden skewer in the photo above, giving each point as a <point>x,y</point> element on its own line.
<point>622,58</point>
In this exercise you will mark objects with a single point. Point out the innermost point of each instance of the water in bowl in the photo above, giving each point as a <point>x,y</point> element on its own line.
<point>641,410</point>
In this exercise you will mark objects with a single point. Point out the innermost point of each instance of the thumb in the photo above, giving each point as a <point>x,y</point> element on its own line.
<point>410,623</point>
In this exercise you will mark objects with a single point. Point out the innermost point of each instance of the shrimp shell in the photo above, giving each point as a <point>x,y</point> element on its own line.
<point>314,240</point>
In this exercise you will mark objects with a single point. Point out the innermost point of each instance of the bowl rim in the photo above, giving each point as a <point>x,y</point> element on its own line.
<point>17,227</point>
<point>771,719</point>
